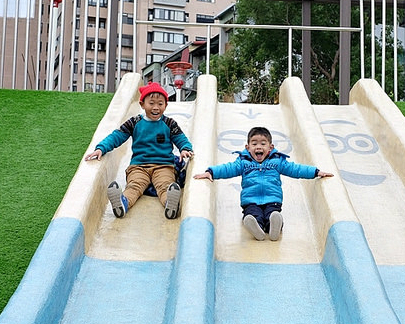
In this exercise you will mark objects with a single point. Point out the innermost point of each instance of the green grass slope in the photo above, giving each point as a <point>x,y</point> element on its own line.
<point>401,106</point>
<point>43,136</point>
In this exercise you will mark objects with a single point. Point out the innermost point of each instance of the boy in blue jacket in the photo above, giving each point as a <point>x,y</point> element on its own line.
<point>153,135</point>
<point>260,166</point>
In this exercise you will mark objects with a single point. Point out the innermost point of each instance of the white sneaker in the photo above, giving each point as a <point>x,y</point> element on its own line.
<point>276,222</point>
<point>253,227</point>
<point>173,200</point>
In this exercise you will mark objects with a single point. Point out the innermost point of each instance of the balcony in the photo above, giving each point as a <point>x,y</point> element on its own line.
<point>169,47</point>
<point>174,3</point>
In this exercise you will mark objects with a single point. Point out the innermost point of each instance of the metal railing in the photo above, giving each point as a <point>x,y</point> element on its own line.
<point>208,27</point>
<point>270,27</point>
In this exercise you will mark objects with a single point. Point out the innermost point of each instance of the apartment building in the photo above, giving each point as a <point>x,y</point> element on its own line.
<point>87,45</point>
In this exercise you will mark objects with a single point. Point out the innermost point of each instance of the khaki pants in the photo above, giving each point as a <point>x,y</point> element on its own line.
<point>140,176</point>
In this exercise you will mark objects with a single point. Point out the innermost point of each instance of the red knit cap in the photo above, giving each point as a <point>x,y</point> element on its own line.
<point>150,88</point>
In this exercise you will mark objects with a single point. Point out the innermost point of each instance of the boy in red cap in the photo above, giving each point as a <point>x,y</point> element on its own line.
<point>153,135</point>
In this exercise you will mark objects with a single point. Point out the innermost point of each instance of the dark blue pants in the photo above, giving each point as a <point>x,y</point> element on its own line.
<point>261,213</point>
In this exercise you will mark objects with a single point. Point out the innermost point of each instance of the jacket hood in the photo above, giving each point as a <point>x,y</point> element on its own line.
<point>246,155</point>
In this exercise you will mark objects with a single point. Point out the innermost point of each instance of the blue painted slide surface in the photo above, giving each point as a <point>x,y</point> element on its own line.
<point>278,293</point>
<point>119,292</point>
<point>393,278</point>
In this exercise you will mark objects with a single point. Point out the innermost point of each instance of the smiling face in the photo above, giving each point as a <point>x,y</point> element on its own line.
<point>259,147</point>
<point>154,106</point>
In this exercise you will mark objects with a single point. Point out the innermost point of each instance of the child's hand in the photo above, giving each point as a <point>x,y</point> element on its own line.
<point>324,174</point>
<point>205,175</point>
<point>185,155</point>
<point>94,155</point>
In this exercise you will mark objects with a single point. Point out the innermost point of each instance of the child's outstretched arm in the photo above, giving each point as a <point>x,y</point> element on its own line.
<point>205,175</point>
<point>323,174</point>
<point>94,155</point>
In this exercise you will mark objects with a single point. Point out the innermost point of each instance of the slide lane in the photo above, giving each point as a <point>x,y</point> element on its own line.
<point>90,266</point>
<point>266,282</point>
<point>367,139</point>
<point>126,272</point>
<point>204,267</point>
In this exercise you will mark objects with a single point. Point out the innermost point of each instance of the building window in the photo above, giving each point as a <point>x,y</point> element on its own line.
<point>90,67</point>
<point>127,19</point>
<point>91,45</point>
<point>99,87</point>
<point>152,58</point>
<point>165,37</point>
<point>56,64</point>
<point>88,86</point>
<point>103,3</point>
<point>129,1</point>
<point>126,65</point>
<point>205,19</point>
<point>91,22</point>
<point>167,14</point>
<point>149,37</point>
<point>127,40</point>
<point>100,67</point>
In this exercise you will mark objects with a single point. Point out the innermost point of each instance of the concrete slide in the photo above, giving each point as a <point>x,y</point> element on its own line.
<point>340,258</point>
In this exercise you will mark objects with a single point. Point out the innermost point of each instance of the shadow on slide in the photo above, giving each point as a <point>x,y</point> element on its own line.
<point>333,264</point>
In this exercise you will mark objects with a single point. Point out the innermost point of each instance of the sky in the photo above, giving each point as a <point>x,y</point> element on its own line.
<point>11,7</point>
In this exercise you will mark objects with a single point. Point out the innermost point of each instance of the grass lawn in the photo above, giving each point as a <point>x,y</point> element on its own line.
<point>43,136</point>
<point>401,106</point>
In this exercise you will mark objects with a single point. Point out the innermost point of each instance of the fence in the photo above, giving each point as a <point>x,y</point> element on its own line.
<point>57,65</point>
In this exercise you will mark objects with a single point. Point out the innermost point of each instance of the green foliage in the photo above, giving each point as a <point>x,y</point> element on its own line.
<point>259,50</point>
<point>257,47</point>
<point>229,74</point>
<point>401,106</point>
<point>389,54</point>
<point>43,136</point>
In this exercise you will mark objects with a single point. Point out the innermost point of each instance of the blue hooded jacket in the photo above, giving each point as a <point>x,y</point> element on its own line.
<point>261,183</point>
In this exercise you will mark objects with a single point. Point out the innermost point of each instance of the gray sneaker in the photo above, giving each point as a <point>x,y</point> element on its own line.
<point>253,227</point>
<point>119,202</point>
<point>173,200</point>
<point>276,223</point>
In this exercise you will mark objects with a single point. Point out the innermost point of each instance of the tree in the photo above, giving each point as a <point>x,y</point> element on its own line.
<point>260,56</point>
<point>389,52</point>
<point>263,53</point>
<point>228,72</point>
